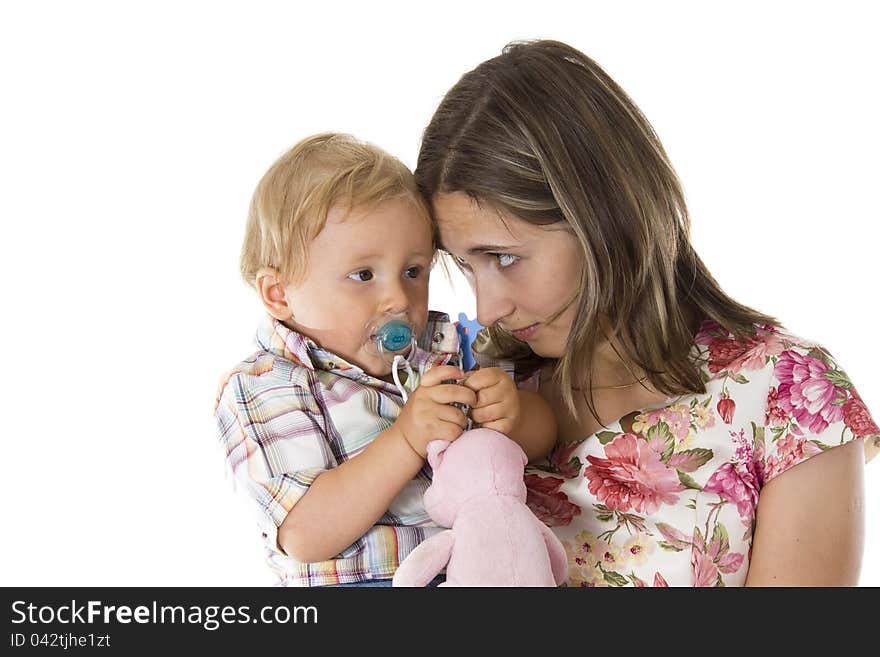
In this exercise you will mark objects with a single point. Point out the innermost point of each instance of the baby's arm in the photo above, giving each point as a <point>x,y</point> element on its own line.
<point>344,502</point>
<point>524,416</point>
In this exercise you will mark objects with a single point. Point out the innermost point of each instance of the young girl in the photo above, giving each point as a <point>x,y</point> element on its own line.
<point>700,443</point>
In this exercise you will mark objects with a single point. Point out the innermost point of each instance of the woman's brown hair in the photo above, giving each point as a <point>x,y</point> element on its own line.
<point>543,133</point>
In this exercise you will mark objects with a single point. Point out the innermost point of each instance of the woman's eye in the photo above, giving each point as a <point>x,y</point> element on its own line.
<point>413,272</point>
<point>505,260</point>
<point>363,275</point>
<point>461,262</point>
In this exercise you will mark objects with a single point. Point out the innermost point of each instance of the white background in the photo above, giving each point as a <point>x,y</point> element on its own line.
<point>132,136</point>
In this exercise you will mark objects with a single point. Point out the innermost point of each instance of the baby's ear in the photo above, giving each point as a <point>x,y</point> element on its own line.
<point>435,452</point>
<point>271,290</point>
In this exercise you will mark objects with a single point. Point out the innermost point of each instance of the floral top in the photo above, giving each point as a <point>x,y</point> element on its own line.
<point>668,496</point>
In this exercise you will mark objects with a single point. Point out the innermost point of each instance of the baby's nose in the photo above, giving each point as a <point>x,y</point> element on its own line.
<point>394,299</point>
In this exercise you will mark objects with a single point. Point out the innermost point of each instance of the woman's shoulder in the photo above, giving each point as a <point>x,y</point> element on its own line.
<point>807,396</point>
<point>723,352</point>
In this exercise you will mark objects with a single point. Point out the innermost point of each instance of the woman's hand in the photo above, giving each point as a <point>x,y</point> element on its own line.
<point>497,403</point>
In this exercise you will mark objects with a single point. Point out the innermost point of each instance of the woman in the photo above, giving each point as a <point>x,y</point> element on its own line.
<point>681,412</point>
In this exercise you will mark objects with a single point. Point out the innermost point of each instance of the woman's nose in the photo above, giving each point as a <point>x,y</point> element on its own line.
<point>492,304</point>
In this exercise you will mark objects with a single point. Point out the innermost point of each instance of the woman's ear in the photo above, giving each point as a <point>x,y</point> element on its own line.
<point>272,293</point>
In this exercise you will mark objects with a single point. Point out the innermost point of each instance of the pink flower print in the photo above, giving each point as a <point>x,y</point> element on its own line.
<point>726,408</point>
<point>735,486</point>
<point>562,461</point>
<point>584,543</point>
<point>745,449</point>
<point>704,418</point>
<point>775,415</point>
<point>610,556</point>
<point>676,417</point>
<point>583,568</point>
<point>806,393</point>
<point>790,450</point>
<point>709,560</point>
<point>637,549</point>
<point>547,502</point>
<point>659,580</point>
<point>857,417</point>
<point>705,571</point>
<point>632,477</point>
<point>710,330</point>
<point>760,349</point>
<point>747,353</point>
<point>740,480</point>
<point>730,563</point>
<point>590,577</point>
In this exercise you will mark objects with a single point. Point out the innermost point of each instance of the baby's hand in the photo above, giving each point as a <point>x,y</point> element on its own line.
<point>428,415</point>
<point>497,405</point>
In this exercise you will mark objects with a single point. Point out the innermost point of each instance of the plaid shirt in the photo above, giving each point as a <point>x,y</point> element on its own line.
<point>292,411</point>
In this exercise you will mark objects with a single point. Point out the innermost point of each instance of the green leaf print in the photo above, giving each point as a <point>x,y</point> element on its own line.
<point>838,378</point>
<point>690,460</point>
<point>606,437</point>
<point>627,421</point>
<point>615,579</point>
<point>661,431</point>
<point>757,433</point>
<point>668,546</point>
<point>720,534</point>
<point>687,481</point>
<point>739,378</point>
<point>820,354</point>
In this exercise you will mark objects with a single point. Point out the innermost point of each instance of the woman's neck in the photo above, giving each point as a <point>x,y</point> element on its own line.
<point>618,388</point>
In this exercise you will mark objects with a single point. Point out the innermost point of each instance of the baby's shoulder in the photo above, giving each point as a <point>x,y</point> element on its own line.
<point>262,371</point>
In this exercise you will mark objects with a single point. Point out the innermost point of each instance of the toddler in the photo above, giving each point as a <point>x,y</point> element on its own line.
<point>339,246</point>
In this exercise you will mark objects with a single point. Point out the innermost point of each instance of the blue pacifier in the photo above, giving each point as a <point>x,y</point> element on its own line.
<point>394,336</point>
<point>395,343</point>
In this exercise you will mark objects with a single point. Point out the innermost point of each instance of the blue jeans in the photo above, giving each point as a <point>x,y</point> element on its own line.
<point>382,582</point>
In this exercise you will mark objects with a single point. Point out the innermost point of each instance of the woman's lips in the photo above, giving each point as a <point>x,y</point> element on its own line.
<point>524,333</point>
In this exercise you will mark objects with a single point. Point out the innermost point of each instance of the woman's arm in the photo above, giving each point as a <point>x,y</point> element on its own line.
<point>535,431</point>
<point>811,523</point>
<point>524,416</point>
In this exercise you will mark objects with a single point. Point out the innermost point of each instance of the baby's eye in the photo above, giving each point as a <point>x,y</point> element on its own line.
<point>413,272</point>
<point>363,275</point>
<point>505,260</point>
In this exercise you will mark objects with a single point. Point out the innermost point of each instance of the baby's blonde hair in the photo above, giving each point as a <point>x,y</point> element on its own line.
<point>291,202</point>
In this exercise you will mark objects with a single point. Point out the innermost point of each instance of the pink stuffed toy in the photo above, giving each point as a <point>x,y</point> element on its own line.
<point>494,540</point>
